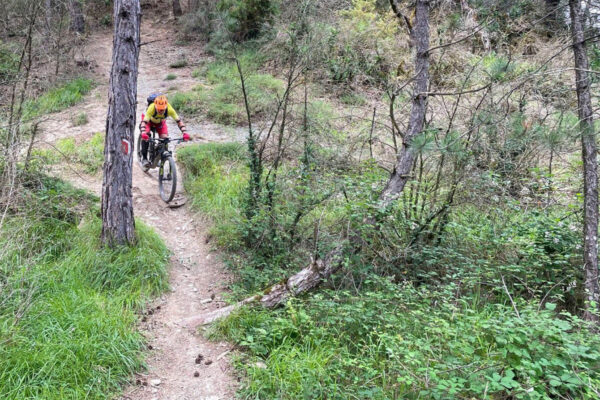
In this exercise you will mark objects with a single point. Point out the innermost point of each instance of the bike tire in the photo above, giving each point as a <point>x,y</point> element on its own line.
<point>139,148</point>
<point>167,179</point>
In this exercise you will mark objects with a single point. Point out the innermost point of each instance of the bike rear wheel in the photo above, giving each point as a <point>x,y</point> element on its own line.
<point>167,179</point>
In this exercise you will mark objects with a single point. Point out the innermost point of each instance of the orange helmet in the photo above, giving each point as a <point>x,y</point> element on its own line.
<point>160,103</point>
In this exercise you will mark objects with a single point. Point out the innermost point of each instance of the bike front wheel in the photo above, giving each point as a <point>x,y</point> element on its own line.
<point>167,179</point>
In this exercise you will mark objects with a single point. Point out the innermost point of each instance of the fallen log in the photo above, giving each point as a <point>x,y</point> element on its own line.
<point>305,280</point>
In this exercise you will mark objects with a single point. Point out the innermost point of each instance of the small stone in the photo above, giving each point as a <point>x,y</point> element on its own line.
<point>206,301</point>
<point>155,382</point>
<point>208,362</point>
<point>199,358</point>
<point>196,374</point>
<point>260,364</point>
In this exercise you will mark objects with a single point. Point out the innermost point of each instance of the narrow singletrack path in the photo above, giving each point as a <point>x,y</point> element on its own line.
<point>182,364</point>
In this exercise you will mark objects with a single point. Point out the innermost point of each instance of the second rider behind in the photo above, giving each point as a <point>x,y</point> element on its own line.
<point>156,117</point>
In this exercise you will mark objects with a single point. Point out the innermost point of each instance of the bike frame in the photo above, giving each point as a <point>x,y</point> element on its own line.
<point>160,147</point>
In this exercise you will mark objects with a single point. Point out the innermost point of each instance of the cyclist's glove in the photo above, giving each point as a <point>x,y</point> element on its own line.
<point>145,137</point>
<point>186,136</point>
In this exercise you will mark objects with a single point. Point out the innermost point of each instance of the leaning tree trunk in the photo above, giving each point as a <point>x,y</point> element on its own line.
<point>76,12</point>
<point>177,9</point>
<point>321,269</point>
<point>590,167</point>
<point>406,155</point>
<point>118,226</point>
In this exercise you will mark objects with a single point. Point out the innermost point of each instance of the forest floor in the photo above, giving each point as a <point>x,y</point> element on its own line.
<point>182,364</point>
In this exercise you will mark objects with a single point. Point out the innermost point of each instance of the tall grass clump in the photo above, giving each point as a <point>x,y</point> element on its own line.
<point>221,98</point>
<point>215,175</point>
<point>69,307</point>
<point>58,99</point>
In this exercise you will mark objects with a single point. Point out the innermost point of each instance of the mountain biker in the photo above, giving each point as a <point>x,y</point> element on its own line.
<point>155,117</point>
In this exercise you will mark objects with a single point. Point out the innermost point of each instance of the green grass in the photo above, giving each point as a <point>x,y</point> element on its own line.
<point>57,99</point>
<point>393,341</point>
<point>88,156</point>
<point>181,63</point>
<point>9,60</point>
<point>222,99</point>
<point>80,119</point>
<point>69,308</point>
<point>215,176</point>
<point>170,77</point>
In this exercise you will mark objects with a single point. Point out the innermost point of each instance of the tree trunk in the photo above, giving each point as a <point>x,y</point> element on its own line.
<point>590,168</point>
<point>118,226</point>
<point>406,155</point>
<point>177,9</point>
<point>77,21</point>
<point>321,269</point>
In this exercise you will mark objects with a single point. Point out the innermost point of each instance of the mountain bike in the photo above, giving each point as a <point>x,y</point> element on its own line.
<point>160,156</point>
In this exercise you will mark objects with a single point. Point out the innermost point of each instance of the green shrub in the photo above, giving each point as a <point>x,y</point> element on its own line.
<point>395,341</point>
<point>80,119</point>
<point>68,313</point>
<point>171,77</point>
<point>181,63</point>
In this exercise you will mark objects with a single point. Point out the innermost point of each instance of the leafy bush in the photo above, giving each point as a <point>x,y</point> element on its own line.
<point>396,341</point>
<point>68,310</point>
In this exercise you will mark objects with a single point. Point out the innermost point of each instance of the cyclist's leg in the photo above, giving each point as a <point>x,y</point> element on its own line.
<point>162,130</point>
<point>145,143</point>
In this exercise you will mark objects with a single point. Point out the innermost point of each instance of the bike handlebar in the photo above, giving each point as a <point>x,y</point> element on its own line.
<point>166,140</point>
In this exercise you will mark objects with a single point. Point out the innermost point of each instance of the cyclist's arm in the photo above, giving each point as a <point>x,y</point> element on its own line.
<point>173,114</point>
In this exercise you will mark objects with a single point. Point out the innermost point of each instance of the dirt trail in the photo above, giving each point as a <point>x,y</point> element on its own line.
<point>181,364</point>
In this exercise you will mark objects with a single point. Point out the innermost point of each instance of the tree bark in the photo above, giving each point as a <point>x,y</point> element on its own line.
<point>590,168</point>
<point>177,9</point>
<point>77,20</point>
<point>406,155</point>
<point>305,280</point>
<point>321,269</point>
<point>118,226</point>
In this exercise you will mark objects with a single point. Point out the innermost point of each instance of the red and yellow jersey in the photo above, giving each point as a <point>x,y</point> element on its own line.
<point>153,116</point>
